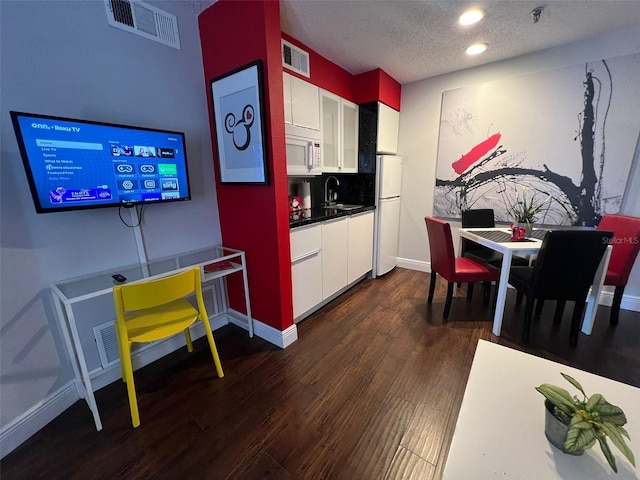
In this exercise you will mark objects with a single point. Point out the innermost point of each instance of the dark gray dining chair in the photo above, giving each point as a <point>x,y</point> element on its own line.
<point>564,271</point>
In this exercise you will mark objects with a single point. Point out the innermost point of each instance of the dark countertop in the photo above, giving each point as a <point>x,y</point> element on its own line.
<point>308,216</point>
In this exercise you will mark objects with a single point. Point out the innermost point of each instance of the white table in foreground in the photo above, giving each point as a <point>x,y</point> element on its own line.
<point>500,429</point>
<point>532,246</point>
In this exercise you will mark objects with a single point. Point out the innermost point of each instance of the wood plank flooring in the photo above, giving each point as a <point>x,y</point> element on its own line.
<point>371,390</point>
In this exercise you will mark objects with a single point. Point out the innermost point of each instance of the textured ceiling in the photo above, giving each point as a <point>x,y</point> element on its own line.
<point>413,40</point>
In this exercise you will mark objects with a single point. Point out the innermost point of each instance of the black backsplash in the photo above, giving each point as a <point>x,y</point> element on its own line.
<point>354,188</point>
<point>367,137</point>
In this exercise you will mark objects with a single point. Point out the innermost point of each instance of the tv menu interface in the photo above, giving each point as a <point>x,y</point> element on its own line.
<point>85,164</point>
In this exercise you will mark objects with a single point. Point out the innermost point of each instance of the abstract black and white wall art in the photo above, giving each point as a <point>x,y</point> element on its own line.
<point>566,136</point>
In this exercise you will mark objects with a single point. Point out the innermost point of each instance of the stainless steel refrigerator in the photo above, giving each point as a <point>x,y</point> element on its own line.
<point>387,213</point>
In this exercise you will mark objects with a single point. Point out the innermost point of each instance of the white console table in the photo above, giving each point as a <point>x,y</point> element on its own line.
<point>215,263</point>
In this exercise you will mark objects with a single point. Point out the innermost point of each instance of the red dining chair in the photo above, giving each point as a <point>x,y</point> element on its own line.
<point>626,244</point>
<point>453,269</point>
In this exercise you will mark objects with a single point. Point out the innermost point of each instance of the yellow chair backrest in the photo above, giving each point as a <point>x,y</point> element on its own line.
<point>152,293</point>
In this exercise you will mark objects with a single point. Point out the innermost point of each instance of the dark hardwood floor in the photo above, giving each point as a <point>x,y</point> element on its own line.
<point>371,390</point>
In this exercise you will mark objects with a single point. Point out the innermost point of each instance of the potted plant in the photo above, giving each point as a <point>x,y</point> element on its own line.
<point>587,421</point>
<point>524,210</point>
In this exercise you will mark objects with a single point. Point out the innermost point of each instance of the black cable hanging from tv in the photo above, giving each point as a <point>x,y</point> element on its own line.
<point>138,212</point>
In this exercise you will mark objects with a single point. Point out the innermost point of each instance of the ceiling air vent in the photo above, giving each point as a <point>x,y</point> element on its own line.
<point>295,59</point>
<point>143,19</point>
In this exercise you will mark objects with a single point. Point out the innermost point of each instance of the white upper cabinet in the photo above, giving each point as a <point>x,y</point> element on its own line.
<point>330,109</point>
<point>388,125</point>
<point>349,137</point>
<point>301,103</point>
<point>339,134</point>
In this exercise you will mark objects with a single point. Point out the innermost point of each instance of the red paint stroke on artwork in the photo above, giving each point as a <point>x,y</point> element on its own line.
<point>476,153</point>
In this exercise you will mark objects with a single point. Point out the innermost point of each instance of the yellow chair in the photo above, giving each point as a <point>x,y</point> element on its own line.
<point>157,309</point>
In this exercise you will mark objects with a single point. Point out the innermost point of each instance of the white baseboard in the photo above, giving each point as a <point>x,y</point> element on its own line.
<point>272,335</point>
<point>414,265</point>
<point>23,427</point>
<point>629,302</point>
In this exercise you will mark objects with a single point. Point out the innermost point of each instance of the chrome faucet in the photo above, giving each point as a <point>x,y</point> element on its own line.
<point>327,199</point>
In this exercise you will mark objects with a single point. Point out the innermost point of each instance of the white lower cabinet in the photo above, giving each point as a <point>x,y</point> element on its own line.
<point>328,256</point>
<point>335,234</point>
<point>360,245</point>
<point>306,268</point>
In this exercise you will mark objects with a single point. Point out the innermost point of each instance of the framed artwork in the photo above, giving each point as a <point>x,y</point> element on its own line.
<point>238,114</point>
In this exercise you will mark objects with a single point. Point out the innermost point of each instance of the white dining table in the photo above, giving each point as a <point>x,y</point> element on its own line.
<point>490,237</point>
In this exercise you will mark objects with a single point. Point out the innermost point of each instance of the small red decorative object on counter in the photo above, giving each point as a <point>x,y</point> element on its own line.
<point>295,203</point>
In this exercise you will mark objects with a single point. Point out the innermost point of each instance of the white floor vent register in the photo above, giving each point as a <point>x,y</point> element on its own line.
<point>145,20</point>
<point>107,343</point>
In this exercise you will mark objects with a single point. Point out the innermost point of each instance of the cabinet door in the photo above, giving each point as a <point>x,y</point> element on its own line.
<point>349,117</point>
<point>388,125</point>
<point>306,268</point>
<point>334,256</point>
<point>305,104</point>
<point>330,110</point>
<point>306,276</point>
<point>360,251</point>
<point>286,82</point>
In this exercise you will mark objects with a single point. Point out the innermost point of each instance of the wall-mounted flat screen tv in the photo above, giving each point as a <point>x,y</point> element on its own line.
<point>77,164</point>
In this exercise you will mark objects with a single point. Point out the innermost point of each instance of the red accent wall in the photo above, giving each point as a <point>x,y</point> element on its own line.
<point>324,74</point>
<point>254,218</point>
<point>372,86</point>
<point>377,85</point>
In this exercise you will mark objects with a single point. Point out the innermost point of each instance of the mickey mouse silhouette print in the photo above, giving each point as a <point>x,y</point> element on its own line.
<point>240,130</point>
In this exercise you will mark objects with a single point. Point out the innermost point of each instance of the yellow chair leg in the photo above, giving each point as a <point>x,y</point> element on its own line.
<point>187,335</point>
<point>131,389</point>
<point>120,353</point>
<point>214,350</point>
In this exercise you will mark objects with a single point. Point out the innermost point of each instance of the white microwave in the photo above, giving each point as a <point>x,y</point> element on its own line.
<point>304,153</point>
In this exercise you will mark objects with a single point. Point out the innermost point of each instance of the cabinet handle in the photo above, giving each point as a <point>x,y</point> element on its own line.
<point>305,256</point>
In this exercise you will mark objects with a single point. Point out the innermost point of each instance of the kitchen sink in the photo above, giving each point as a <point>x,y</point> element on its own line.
<point>343,206</point>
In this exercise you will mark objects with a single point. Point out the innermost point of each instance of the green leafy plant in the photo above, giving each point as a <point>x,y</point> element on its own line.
<point>525,209</point>
<point>590,420</point>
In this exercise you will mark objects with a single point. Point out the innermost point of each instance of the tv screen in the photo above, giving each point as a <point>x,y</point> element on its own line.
<point>76,164</point>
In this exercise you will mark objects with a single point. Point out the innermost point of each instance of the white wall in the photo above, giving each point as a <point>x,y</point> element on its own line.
<point>419,128</point>
<point>62,58</point>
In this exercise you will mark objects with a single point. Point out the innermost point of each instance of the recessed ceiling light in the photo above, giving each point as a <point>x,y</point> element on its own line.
<point>476,48</point>
<point>471,16</point>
